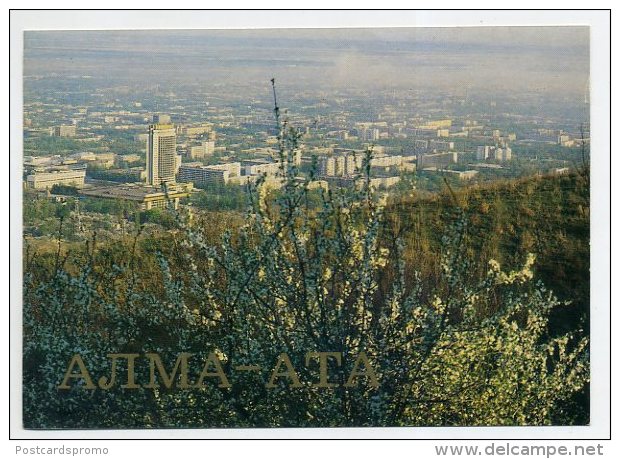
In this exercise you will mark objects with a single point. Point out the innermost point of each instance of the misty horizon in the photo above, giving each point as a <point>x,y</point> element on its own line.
<point>552,60</point>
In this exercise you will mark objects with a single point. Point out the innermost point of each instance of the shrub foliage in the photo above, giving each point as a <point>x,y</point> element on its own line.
<point>472,347</point>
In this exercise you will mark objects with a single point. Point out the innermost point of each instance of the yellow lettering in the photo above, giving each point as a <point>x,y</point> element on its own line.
<point>106,383</point>
<point>368,372</point>
<point>156,364</point>
<point>83,374</point>
<point>218,373</point>
<point>323,357</point>
<point>289,373</point>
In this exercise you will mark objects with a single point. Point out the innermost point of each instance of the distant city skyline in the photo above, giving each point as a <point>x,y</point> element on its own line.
<point>425,99</point>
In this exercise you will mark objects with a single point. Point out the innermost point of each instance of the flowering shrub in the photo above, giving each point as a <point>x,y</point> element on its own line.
<point>295,279</point>
<point>474,352</point>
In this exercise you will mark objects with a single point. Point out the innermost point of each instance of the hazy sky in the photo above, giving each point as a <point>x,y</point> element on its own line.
<point>550,59</point>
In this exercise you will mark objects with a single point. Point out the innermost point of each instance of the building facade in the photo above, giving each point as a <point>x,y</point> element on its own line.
<point>45,180</point>
<point>161,157</point>
<point>145,197</point>
<point>64,130</point>
<point>202,176</point>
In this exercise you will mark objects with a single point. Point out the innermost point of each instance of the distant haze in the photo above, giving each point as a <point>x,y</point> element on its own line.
<point>554,60</point>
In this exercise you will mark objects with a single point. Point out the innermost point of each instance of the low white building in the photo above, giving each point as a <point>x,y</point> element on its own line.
<point>201,175</point>
<point>46,180</point>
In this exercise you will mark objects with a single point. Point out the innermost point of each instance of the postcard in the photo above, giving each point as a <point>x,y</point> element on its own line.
<point>306,228</point>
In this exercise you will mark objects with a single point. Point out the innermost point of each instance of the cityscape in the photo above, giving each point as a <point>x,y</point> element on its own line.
<point>100,139</point>
<point>388,202</point>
